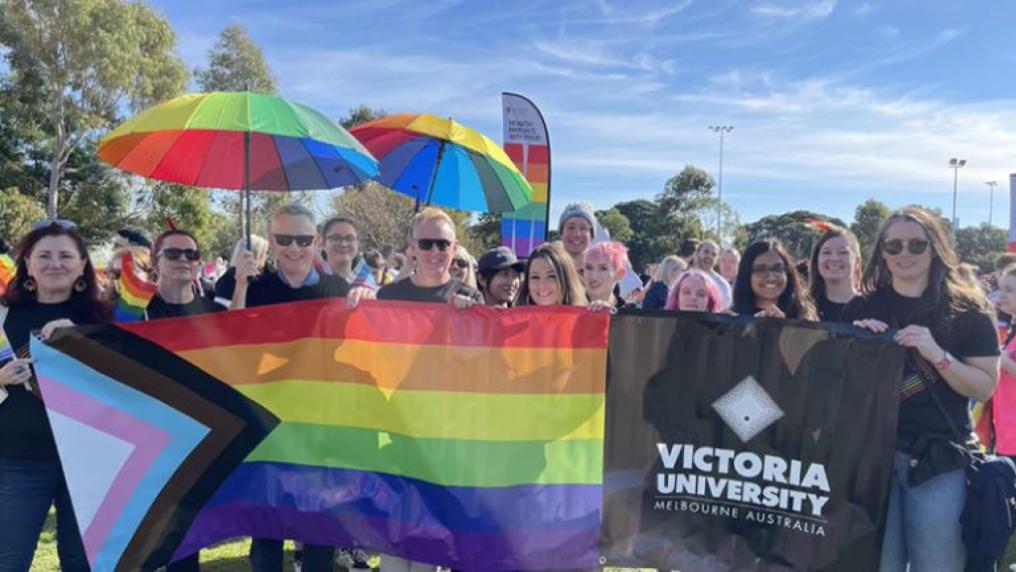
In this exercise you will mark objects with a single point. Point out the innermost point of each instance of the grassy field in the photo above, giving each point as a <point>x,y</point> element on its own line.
<point>232,557</point>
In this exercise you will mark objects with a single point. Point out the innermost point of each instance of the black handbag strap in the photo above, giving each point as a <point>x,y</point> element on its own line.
<point>929,378</point>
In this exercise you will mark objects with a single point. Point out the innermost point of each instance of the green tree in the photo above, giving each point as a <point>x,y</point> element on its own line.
<point>189,208</point>
<point>687,192</point>
<point>981,245</point>
<point>383,216</point>
<point>616,224</point>
<point>17,213</point>
<point>868,219</point>
<point>236,63</point>
<point>794,230</point>
<point>84,59</point>
<point>361,114</point>
<point>733,232</point>
<point>486,232</point>
<point>655,233</point>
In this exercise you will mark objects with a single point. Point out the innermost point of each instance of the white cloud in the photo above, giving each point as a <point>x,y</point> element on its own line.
<point>888,32</point>
<point>809,11</point>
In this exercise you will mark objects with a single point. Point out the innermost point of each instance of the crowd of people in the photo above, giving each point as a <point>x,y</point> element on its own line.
<point>911,283</point>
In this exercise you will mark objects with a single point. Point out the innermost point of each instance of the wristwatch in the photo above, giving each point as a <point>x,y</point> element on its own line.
<point>945,362</point>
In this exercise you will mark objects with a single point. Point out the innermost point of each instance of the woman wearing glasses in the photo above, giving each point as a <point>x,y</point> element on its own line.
<point>55,287</point>
<point>342,243</point>
<point>912,284</point>
<point>767,285</point>
<point>177,260</point>
<point>463,268</point>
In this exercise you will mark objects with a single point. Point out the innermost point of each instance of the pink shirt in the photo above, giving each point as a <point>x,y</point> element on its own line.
<point>1004,408</point>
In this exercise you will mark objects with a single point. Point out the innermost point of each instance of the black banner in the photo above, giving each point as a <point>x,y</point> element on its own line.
<point>740,444</point>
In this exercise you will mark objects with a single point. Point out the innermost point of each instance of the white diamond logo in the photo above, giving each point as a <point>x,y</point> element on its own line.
<point>748,409</point>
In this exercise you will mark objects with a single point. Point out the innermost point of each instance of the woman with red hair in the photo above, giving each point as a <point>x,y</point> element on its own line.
<point>695,291</point>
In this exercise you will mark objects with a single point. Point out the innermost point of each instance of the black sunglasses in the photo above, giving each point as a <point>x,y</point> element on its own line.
<point>461,263</point>
<point>429,243</point>
<point>178,253</point>
<point>60,222</point>
<point>302,240</point>
<point>916,246</point>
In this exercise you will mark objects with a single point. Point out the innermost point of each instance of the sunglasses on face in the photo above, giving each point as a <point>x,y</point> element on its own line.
<point>302,240</point>
<point>178,253</point>
<point>895,246</point>
<point>60,222</point>
<point>460,263</point>
<point>430,243</point>
<point>341,238</point>
<point>762,270</point>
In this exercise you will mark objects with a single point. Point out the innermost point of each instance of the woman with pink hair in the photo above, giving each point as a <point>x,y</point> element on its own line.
<point>695,291</point>
<point>603,268</point>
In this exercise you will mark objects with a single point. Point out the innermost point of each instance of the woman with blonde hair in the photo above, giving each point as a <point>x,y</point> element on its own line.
<point>463,267</point>
<point>227,282</point>
<point>666,273</point>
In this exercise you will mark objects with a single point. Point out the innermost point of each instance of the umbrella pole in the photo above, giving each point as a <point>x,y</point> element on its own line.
<point>433,176</point>
<point>246,182</point>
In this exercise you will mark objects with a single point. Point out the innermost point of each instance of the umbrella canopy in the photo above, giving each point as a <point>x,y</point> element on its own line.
<point>213,139</point>
<point>442,162</point>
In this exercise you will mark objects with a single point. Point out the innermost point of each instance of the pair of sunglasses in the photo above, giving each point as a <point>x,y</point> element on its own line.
<point>178,253</point>
<point>895,246</point>
<point>302,240</point>
<point>60,222</point>
<point>430,243</point>
<point>461,263</point>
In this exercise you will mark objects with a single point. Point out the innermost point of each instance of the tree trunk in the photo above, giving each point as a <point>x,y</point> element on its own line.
<point>55,166</point>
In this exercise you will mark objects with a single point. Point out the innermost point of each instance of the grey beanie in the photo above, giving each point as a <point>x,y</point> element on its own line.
<point>578,210</point>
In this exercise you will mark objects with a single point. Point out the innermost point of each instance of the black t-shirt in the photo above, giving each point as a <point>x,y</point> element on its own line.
<point>159,308</point>
<point>656,296</point>
<point>829,311</point>
<point>24,428</point>
<point>407,291</point>
<point>270,289</point>
<point>969,334</point>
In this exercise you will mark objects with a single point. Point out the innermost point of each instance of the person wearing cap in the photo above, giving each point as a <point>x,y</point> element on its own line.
<point>577,227</point>
<point>500,275</point>
<point>128,236</point>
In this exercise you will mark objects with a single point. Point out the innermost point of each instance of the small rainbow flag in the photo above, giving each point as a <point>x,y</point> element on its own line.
<point>134,293</point>
<point>363,275</point>
<point>6,351</point>
<point>7,271</point>
<point>468,439</point>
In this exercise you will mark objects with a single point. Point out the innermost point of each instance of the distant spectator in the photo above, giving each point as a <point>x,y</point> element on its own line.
<point>666,272</point>
<point>729,259</point>
<point>227,282</point>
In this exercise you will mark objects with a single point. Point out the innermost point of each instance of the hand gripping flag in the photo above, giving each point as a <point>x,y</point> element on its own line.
<point>469,439</point>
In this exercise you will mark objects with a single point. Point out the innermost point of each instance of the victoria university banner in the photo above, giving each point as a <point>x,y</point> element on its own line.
<point>734,444</point>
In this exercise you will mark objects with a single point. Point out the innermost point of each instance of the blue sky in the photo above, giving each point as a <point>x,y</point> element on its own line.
<point>832,101</point>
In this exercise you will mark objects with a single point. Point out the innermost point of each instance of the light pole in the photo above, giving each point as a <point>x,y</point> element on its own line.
<point>722,130</point>
<point>956,165</point>
<point>991,199</point>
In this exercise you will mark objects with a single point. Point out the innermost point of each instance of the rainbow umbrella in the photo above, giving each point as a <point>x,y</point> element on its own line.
<point>439,161</point>
<point>238,140</point>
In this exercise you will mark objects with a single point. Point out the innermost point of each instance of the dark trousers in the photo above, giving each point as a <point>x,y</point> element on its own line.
<point>266,556</point>
<point>27,490</point>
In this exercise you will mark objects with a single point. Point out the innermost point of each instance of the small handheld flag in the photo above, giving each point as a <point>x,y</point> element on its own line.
<point>135,293</point>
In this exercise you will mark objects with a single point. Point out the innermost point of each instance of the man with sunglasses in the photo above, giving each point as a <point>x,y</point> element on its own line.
<point>176,257</point>
<point>294,242</point>
<point>432,246</point>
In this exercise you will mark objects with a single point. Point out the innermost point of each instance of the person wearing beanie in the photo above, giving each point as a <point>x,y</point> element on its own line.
<point>577,227</point>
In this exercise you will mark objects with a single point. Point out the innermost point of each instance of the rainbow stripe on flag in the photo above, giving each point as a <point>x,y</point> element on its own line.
<point>134,293</point>
<point>7,271</point>
<point>6,351</point>
<point>469,439</point>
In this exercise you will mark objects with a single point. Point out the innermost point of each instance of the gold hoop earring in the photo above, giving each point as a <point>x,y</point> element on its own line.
<point>80,285</point>
<point>29,284</point>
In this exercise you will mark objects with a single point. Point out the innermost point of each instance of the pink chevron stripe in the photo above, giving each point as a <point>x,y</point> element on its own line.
<point>148,440</point>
